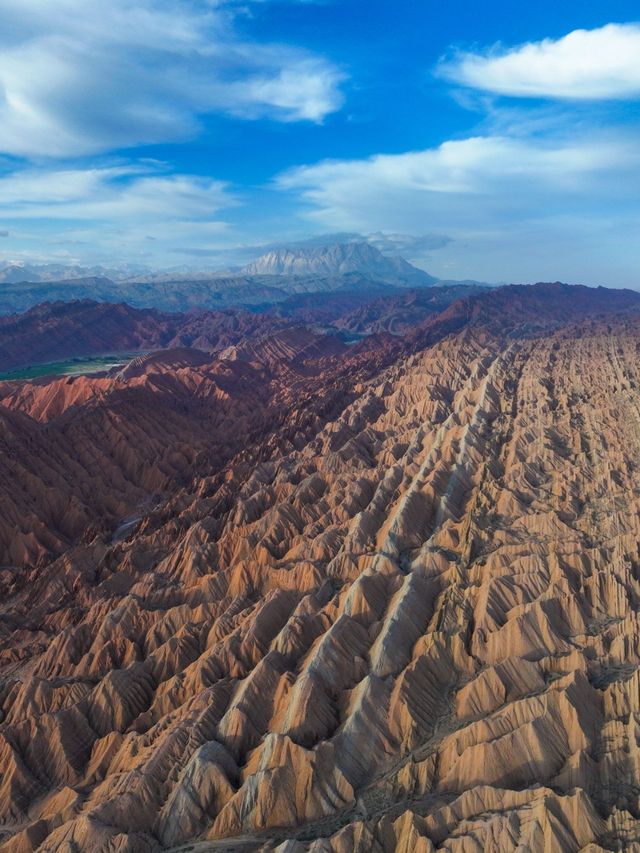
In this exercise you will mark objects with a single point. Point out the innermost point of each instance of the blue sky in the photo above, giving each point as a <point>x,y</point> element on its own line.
<point>495,141</point>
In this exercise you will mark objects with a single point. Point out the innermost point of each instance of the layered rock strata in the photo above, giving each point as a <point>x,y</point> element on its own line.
<point>404,618</point>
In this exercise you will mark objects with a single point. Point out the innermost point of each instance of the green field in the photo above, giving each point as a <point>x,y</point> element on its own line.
<point>71,367</point>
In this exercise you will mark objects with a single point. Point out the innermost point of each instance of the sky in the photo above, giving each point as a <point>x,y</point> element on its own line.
<point>494,141</point>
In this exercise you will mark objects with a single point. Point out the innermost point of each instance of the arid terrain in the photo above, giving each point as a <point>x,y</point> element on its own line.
<point>273,587</point>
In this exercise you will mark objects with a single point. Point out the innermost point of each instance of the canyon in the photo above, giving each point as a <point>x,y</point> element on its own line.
<point>343,575</point>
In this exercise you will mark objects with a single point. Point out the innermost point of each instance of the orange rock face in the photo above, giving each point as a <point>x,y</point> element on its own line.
<point>313,598</point>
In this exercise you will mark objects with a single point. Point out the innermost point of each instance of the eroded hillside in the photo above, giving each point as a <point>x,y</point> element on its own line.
<point>402,616</point>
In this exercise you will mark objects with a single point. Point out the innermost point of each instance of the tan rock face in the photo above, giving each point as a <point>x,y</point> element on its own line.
<point>401,616</point>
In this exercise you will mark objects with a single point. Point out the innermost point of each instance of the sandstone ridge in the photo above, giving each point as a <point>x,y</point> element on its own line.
<point>365,598</point>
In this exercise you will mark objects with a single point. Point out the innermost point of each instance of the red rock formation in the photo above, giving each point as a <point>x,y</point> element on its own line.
<point>390,603</point>
<point>56,331</point>
<point>61,330</point>
<point>65,329</point>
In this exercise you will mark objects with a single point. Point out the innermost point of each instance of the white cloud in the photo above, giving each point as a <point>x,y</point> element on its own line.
<point>500,199</point>
<point>583,65</point>
<point>408,245</point>
<point>110,193</point>
<point>118,208</point>
<point>346,191</point>
<point>81,76</point>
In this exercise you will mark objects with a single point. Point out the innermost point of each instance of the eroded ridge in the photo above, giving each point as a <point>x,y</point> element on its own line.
<point>417,629</point>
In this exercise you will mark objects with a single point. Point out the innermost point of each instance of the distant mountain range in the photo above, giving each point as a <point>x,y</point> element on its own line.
<point>15,272</point>
<point>272,278</point>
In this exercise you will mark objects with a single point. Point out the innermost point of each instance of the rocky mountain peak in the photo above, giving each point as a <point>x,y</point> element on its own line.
<point>338,259</point>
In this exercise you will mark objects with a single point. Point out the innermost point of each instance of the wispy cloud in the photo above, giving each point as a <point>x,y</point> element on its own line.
<point>584,65</point>
<point>83,76</point>
<point>479,166</point>
<point>121,192</point>
<point>408,245</point>
<point>110,208</point>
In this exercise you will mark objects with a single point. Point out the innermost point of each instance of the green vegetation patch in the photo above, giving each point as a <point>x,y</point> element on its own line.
<point>71,366</point>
